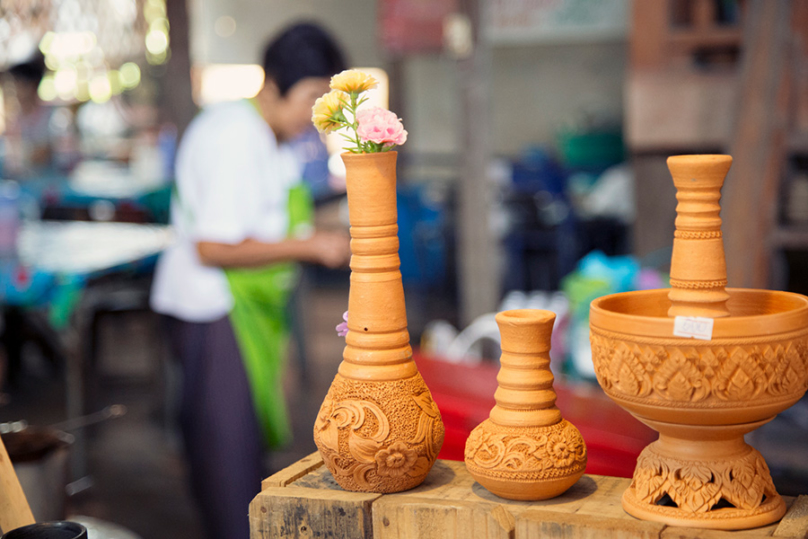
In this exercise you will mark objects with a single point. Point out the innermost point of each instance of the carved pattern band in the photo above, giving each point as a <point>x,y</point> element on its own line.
<point>707,376</point>
<point>701,235</point>
<point>698,285</point>
<point>531,452</point>
<point>379,436</point>
<point>698,486</point>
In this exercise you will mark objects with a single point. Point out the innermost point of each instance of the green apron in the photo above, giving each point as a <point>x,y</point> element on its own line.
<point>261,324</point>
<point>260,319</point>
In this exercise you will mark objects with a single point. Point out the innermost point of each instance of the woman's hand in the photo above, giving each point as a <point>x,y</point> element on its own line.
<point>331,249</point>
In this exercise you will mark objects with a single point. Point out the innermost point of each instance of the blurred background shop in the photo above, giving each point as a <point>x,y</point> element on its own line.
<point>533,176</point>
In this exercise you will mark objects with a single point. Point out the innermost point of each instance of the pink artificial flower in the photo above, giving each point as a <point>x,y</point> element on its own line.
<point>380,126</point>
<point>342,329</point>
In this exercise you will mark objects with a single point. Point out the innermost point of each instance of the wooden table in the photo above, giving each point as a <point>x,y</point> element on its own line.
<point>304,501</point>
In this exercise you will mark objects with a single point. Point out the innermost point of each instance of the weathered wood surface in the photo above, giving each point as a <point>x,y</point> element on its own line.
<point>305,501</point>
<point>14,509</point>
<point>758,144</point>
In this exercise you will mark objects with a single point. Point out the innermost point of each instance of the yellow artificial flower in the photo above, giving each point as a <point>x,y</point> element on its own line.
<point>353,81</point>
<point>327,111</point>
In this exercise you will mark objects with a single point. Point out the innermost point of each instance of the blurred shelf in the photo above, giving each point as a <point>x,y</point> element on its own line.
<point>798,143</point>
<point>790,237</point>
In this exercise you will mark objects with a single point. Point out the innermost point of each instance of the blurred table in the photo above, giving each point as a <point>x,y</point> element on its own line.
<point>79,196</point>
<point>58,257</point>
<point>59,268</point>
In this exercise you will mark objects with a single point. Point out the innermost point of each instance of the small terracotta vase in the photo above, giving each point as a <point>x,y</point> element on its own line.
<point>525,450</point>
<point>701,394</point>
<point>378,429</point>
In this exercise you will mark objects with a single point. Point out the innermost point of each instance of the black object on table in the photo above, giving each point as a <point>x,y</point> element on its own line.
<point>49,530</point>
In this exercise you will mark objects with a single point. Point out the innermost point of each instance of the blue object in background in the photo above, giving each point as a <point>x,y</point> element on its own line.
<point>620,272</point>
<point>313,155</point>
<point>537,170</point>
<point>422,245</point>
<point>167,144</point>
<point>597,275</point>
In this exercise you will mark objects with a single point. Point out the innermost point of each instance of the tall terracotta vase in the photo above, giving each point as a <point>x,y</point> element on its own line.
<point>378,429</point>
<point>525,450</point>
<point>703,365</point>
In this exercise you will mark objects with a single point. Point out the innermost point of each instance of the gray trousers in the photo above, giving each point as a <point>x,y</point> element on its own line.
<point>221,434</point>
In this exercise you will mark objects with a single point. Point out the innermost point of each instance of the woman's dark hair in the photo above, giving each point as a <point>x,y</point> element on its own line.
<point>301,51</point>
<point>31,71</point>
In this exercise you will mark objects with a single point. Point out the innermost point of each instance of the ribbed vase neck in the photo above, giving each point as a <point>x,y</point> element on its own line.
<point>698,266</point>
<point>525,395</point>
<point>377,344</point>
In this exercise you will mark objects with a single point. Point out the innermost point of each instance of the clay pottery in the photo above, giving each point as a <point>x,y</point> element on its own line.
<point>525,450</point>
<point>378,429</point>
<point>701,394</point>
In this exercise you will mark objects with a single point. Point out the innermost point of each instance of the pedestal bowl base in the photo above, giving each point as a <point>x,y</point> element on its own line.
<point>724,493</point>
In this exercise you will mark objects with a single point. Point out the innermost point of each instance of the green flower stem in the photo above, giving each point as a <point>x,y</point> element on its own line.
<point>355,125</point>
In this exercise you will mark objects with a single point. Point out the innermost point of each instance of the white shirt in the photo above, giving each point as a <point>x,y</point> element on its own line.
<point>233,182</point>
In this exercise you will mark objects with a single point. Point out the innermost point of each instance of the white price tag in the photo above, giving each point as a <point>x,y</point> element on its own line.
<point>693,326</point>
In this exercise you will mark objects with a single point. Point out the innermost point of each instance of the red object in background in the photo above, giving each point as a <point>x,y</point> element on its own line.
<point>22,278</point>
<point>407,26</point>
<point>465,395</point>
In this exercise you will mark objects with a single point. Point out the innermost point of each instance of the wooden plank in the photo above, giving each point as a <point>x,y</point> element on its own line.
<point>750,192</point>
<point>799,26</point>
<point>293,472</point>
<point>319,478</point>
<point>606,498</point>
<point>704,14</point>
<point>289,512</point>
<point>673,532</point>
<point>397,517</point>
<point>479,281</point>
<point>687,41</point>
<point>543,524</point>
<point>14,509</point>
<point>450,504</point>
<point>678,110</point>
<point>795,523</point>
<point>656,208</point>
<point>649,30</point>
<point>789,237</point>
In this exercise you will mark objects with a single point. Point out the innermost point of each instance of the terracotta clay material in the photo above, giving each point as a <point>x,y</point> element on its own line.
<point>702,395</point>
<point>525,450</point>
<point>378,429</point>
<point>698,268</point>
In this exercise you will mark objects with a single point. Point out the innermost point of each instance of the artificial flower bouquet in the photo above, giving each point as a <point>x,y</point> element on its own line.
<point>374,129</point>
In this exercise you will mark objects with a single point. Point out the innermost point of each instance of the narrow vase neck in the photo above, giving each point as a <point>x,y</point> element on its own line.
<point>378,343</point>
<point>698,266</point>
<point>525,395</point>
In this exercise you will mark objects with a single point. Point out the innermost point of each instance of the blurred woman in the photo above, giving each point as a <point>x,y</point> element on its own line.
<point>241,217</point>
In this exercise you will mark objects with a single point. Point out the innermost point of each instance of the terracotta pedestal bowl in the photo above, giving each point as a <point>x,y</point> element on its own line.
<point>748,362</point>
<point>702,397</point>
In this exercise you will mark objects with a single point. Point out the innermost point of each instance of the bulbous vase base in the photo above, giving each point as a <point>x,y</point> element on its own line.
<point>694,490</point>
<point>379,436</point>
<point>526,463</point>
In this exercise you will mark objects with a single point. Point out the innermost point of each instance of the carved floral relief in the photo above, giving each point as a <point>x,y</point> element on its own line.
<point>717,373</point>
<point>539,452</point>
<point>697,487</point>
<point>379,435</point>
